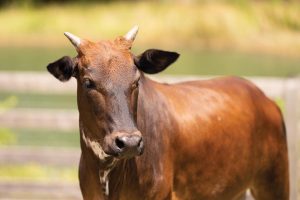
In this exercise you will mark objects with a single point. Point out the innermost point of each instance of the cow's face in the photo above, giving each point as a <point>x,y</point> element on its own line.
<point>108,77</point>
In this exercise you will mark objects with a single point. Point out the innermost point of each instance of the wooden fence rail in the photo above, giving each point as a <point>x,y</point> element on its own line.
<point>16,190</point>
<point>47,156</point>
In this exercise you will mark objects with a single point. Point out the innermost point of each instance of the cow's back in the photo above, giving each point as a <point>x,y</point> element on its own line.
<point>217,135</point>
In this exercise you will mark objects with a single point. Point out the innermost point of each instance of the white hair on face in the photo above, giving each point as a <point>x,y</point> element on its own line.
<point>95,146</point>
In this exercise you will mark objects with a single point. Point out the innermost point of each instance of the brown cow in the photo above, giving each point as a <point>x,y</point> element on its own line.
<point>209,140</point>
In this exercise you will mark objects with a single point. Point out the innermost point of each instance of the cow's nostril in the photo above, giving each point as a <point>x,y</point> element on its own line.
<point>120,143</point>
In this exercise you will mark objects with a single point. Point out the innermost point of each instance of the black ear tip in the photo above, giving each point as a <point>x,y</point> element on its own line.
<point>50,67</point>
<point>62,69</point>
<point>172,55</point>
<point>175,55</point>
<point>154,60</point>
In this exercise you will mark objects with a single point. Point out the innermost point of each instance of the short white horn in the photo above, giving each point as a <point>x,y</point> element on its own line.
<point>73,39</point>
<point>132,33</point>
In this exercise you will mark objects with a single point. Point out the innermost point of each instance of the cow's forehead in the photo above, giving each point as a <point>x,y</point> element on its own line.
<point>110,59</point>
<point>105,52</point>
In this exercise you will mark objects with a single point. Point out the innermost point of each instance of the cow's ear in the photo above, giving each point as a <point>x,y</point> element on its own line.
<point>153,60</point>
<point>62,69</point>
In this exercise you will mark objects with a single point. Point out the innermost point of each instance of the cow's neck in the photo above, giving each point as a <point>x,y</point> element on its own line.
<point>131,178</point>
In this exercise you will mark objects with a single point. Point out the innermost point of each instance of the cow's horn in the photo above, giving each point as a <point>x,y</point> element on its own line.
<point>73,39</point>
<point>132,33</point>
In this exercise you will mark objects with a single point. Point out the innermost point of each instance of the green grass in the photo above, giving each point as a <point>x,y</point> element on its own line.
<point>39,137</point>
<point>36,172</point>
<point>195,62</point>
<point>31,100</point>
<point>234,63</point>
<point>30,58</point>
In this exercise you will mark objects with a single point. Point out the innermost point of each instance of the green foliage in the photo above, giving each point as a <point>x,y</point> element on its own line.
<point>30,3</point>
<point>7,137</point>
<point>251,26</point>
<point>8,103</point>
<point>45,2</point>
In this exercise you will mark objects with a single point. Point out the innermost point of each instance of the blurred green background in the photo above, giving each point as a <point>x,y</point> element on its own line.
<point>217,37</point>
<point>214,37</point>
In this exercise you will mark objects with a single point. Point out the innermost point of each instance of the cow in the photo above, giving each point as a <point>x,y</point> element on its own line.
<point>144,140</point>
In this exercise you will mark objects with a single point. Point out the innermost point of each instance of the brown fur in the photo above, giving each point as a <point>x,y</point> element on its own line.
<point>209,139</point>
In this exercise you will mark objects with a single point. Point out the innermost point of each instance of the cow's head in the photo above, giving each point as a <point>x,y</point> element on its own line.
<point>108,77</point>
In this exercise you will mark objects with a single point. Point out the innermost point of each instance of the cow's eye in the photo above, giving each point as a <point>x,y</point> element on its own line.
<point>88,84</point>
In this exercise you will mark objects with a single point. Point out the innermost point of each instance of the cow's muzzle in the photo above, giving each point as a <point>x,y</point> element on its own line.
<point>124,145</point>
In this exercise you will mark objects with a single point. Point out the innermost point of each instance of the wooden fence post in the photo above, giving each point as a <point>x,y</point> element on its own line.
<point>291,118</point>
